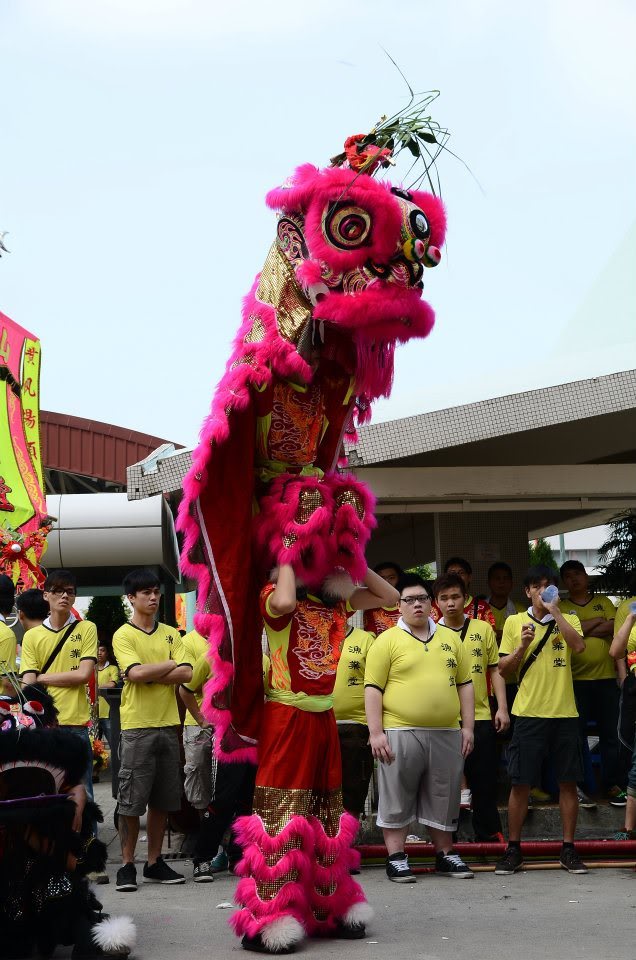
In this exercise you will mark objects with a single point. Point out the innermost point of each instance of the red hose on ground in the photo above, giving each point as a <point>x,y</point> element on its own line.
<point>532,848</point>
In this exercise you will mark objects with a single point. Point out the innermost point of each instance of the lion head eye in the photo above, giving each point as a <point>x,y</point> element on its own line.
<point>419,225</point>
<point>346,226</point>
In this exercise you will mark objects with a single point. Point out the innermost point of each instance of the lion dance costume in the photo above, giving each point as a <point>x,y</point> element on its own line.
<point>340,288</point>
<point>45,899</point>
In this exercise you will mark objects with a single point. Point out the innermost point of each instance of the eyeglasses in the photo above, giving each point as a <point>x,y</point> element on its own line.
<point>60,591</point>
<point>421,598</point>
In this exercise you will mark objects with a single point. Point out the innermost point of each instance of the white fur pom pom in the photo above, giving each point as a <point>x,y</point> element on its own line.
<point>282,933</point>
<point>115,934</point>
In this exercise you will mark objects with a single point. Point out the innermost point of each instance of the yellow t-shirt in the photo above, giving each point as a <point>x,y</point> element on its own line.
<point>8,645</point>
<point>418,680</point>
<point>106,675</point>
<point>595,662</point>
<point>196,647</point>
<point>546,689</point>
<point>480,646</point>
<point>348,693</point>
<point>145,705</point>
<point>501,614</point>
<point>201,672</point>
<point>631,646</point>
<point>621,613</point>
<point>38,644</point>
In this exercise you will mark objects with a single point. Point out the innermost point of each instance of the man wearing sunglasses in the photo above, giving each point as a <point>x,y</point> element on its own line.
<point>62,654</point>
<point>416,687</point>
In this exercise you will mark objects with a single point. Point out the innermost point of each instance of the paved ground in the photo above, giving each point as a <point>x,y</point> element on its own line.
<point>537,914</point>
<point>546,914</point>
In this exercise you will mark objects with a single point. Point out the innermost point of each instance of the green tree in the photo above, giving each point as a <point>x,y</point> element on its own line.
<point>108,614</point>
<point>617,555</point>
<point>423,570</point>
<point>540,554</point>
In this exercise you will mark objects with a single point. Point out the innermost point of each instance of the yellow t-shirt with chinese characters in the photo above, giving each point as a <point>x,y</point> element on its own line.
<point>8,646</point>
<point>480,646</point>
<point>201,672</point>
<point>38,644</point>
<point>348,693</point>
<point>196,646</point>
<point>621,613</point>
<point>145,705</point>
<point>105,675</point>
<point>546,689</point>
<point>418,680</point>
<point>595,662</point>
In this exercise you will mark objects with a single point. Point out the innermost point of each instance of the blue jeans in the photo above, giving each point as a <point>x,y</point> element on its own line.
<point>104,729</point>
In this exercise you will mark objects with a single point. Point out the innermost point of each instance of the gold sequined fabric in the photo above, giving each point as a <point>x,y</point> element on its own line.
<point>278,287</point>
<point>308,502</point>
<point>276,806</point>
<point>348,496</point>
<point>257,331</point>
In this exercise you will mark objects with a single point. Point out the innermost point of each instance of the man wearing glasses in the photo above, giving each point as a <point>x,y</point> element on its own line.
<point>62,653</point>
<point>416,687</point>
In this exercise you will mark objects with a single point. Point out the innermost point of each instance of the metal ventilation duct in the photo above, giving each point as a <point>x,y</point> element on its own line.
<point>108,530</point>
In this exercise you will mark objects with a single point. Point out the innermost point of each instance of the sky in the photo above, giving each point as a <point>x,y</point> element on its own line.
<point>139,137</point>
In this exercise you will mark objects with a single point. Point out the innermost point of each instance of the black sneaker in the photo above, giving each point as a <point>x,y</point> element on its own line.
<point>203,872</point>
<point>616,797</point>
<point>571,862</point>
<point>452,865</point>
<point>126,881</point>
<point>398,870</point>
<point>510,863</point>
<point>160,872</point>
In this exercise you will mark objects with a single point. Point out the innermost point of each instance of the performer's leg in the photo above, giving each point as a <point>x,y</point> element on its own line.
<point>338,904</point>
<point>277,839</point>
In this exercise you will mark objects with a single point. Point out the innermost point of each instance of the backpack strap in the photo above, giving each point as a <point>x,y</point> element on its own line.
<point>537,650</point>
<point>58,646</point>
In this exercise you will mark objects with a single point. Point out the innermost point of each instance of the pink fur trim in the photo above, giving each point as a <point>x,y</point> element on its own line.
<point>332,847</point>
<point>382,311</point>
<point>277,519</point>
<point>350,533</point>
<point>312,191</point>
<point>309,272</point>
<point>254,864</point>
<point>291,900</point>
<point>251,830</point>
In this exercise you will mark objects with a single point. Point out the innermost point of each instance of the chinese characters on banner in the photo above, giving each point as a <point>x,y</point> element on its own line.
<point>24,522</point>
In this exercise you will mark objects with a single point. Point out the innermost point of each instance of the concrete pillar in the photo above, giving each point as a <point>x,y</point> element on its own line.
<point>482,538</point>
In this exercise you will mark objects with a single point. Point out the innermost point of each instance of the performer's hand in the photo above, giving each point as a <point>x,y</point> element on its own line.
<point>380,748</point>
<point>468,742</point>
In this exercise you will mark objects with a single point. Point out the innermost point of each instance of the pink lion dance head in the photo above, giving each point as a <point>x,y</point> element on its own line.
<point>358,249</point>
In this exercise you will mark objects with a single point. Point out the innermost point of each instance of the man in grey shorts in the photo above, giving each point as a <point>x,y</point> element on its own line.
<point>416,688</point>
<point>152,659</point>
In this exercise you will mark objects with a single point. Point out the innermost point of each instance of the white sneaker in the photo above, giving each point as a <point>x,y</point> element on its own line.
<point>465,800</point>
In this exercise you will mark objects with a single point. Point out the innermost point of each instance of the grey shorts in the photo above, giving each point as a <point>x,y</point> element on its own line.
<point>150,771</point>
<point>424,781</point>
<point>197,746</point>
